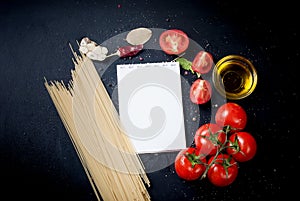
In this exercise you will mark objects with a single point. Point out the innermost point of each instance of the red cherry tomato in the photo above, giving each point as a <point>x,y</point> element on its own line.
<point>173,41</point>
<point>189,164</point>
<point>208,138</point>
<point>233,115</point>
<point>200,91</point>
<point>203,62</point>
<point>223,171</point>
<point>242,146</point>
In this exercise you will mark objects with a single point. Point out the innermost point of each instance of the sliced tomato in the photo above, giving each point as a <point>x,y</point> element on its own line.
<point>173,41</point>
<point>202,62</point>
<point>200,91</point>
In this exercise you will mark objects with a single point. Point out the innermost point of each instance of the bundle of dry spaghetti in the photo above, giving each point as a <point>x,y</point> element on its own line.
<point>111,163</point>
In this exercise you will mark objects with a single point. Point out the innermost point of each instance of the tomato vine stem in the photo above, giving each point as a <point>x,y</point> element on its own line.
<point>223,146</point>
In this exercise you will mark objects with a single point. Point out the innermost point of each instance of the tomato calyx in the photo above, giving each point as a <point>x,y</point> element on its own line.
<point>213,137</point>
<point>235,145</point>
<point>225,162</point>
<point>194,158</point>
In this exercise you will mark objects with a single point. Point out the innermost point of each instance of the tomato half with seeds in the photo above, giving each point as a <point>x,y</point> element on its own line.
<point>208,138</point>
<point>202,62</point>
<point>233,115</point>
<point>173,41</point>
<point>200,91</point>
<point>222,171</point>
<point>189,164</point>
<point>242,146</point>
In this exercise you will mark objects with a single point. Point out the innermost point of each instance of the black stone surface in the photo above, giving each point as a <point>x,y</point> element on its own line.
<point>37,158</point>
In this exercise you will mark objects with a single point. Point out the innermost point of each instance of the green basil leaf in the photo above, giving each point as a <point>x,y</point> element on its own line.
<point>185,64</point>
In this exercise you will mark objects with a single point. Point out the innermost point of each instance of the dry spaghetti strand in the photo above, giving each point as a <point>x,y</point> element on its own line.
<point>111,163</point>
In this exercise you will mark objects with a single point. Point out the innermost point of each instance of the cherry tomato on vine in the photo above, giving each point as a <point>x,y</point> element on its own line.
<point>242,146</point>
<point>208,138</point>
<point>202,62</point>
<point>223,171</point>
<point>200,91</point>
<point>173,41</point>
<point>233,115</point>
<point>189,164</point>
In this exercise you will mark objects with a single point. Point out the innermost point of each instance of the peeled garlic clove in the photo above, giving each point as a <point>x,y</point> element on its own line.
<point>84,41</point>
<point>138,36</point>
<point>91,46</point>
<point>97,50</point>
<point>83,49</point>
<point>101,57</point>
<point>104,50</point>
<point>92,55</point>
<point>100,52</point>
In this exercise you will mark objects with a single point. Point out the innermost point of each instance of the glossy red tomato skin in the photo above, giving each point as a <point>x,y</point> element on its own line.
<point>202,138</point>
<point>200,91</point>
<point>233,115</point>
<point>184,168</point>
<point>174,41</point>
<point>217,173</point>
<point>202,62</point>
<point>247,146</point>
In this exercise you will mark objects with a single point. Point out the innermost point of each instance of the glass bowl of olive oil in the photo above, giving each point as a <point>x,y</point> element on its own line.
<point>234,77</point>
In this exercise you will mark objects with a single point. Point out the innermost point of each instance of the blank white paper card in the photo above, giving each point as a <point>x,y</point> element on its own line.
<point>150,106</point>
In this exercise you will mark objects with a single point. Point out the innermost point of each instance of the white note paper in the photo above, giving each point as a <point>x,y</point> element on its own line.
<point>150,106</point>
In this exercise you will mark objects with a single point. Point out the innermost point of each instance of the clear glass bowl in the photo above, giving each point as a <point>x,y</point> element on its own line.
<point>234,77</point>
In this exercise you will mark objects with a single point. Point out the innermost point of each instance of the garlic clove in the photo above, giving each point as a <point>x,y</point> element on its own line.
<point>92,55</point>
<point>83,49</point>
<point>101,57</point>
<point>91,46</point>
<point>84,41</point>
<point>104,50</point>
<point>100,52</point>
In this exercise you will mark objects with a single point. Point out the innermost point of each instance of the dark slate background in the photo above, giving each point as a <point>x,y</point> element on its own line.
<point>37,158</point>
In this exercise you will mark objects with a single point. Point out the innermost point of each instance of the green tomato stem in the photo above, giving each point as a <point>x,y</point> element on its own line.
<point>222,147</point>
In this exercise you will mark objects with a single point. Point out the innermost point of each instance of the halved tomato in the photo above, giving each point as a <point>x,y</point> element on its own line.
<point>202,62</point>
<point>200,91</point>
<point>173,41</point>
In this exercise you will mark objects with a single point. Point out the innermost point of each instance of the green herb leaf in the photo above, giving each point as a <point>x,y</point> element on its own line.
<point>185,64</point>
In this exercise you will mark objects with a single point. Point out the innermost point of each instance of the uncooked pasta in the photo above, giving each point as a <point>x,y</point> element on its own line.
<point>111,163</point>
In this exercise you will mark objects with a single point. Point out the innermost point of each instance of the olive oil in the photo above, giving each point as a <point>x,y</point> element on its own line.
<point>234,77</point>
